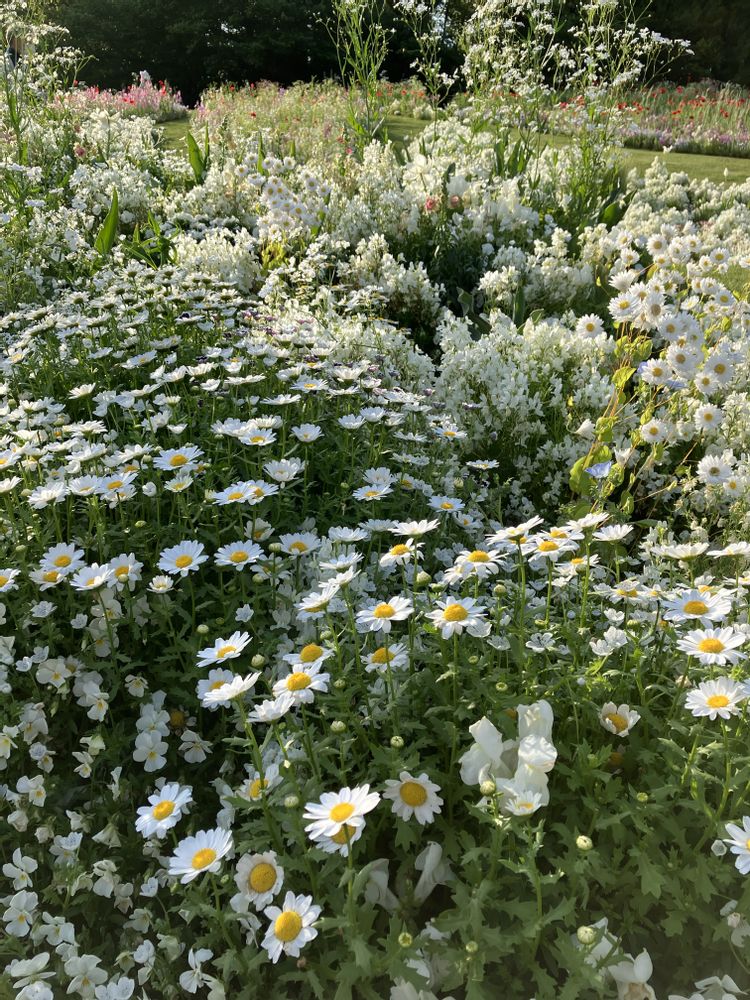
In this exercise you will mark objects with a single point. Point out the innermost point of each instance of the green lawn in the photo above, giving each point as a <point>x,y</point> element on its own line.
<point>715,168</point>
<point>173,133</point>
<point>401,130</point>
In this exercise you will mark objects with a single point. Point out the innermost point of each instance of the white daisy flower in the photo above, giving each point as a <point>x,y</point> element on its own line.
<point>697,605</point>
<point>200,853</point>
<point>230,690</point>
<point>713,645</point>
<point>452,617</point>
<point>179,560</point>
<point>413,797</point>
<point>739,844</point>
<point>259,877</point>
<point>302,683</point>
<point>349,806</point>
<point>291,926</point>
<point>224,649</point>
<point>720,697</point>
<point>618,719</point>
<point>378,616</point>
<point>238,554</point>
<point>164,810</point>
<point>394,656</point>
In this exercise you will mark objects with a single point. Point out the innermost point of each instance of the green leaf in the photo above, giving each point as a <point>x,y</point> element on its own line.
<point>197,160</point>
<point>108,233</point>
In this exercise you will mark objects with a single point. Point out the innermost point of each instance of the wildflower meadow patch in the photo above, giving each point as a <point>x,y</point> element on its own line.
<point>375,545</point>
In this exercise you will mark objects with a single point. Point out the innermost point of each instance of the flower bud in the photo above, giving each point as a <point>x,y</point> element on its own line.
<point>337,726</point>
<point>274,547</point>
<point>642,796</point>
<point>140,524</point>
<point>258,578</point>
<point>291,802</point>
<point>339,683</point>
<point>202,629</point>
<point>499,589</point>
<point>488,787</point>
<point>397,742</point>
<point>257,661</point>
<point>423,578</point>
<point>218,621</point>
<point>584,843</point>
<point>472,947</point>
<point>586,935</point>
<point>405,939</point>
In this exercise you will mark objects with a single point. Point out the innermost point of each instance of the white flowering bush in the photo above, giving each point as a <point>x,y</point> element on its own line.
<point>375,570</point>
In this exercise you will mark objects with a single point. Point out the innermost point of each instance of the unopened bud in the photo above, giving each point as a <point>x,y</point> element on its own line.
<point>337,726</point>
<point>584,843</point>
<point>405,939</point>
<point>488,787</point>
<point>397,742</point>
<point>274,547</point>
<point>339,683</point>
<point>258,661</point>
<point>202,629</point>
<point>586,935</point>
<point>291,802</point>
<point>472,947</point>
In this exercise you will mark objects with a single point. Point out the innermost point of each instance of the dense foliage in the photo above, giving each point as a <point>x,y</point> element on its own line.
<point>375,529</point>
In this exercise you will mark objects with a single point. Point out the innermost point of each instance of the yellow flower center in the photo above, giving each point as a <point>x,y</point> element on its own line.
<point>298,547</point>
<point>177,718</point>
<point>455,613</point>
<point>720,368</point>
<point>257,787</point>
<point>711,646</point>
<point>413,794</point>
<point>446,505</point>
<point>115,484</point>
<point>235,495</point>
<point>287,925</point>
<point>558,533</point>
<point>478,556</point>
<point>578,561</point>
<point>239,556</point>
<point>717,701</point>
<point>163,809</point>
<point>51,576</point>
<point>311,653</point>
<point>257,438</point>
<point>695,608</point>
<point>627,593</point>
<point>4,580</point>
<point>298,681</point>
<point>382,655</point>
<point>618,721</point>
<point>225,651</point>
<point>181,562</point>
<point>399,550</point>
<point>203,858</point>
<point>372,493</point>
<point>341,811</point>
<point>91,582</point>
<point>262,877</point>
<point>62,561</point>
<point>548,546</point>
<point>346,832</point>
<point>177,460</point>
<point>384,611</point>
